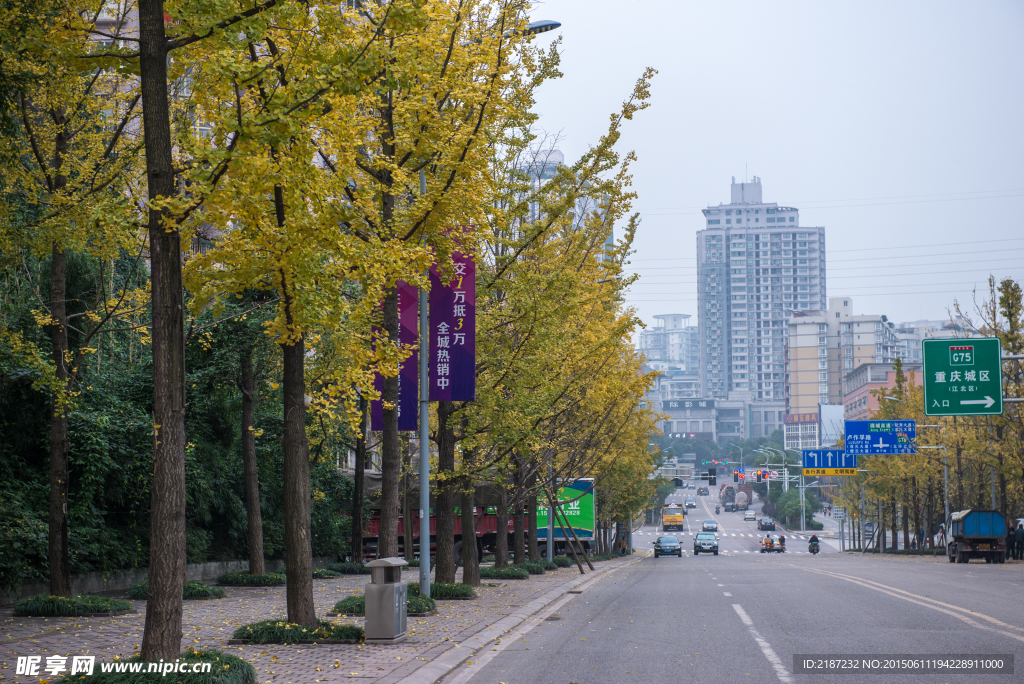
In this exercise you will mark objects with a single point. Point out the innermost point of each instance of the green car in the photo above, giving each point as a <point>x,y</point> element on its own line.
<point>705,541</point>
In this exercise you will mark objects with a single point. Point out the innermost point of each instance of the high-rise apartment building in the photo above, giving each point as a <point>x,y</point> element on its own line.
<point>755,266</point>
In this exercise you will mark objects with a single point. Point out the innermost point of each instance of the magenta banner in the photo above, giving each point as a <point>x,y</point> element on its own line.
<point>452,342</point>
<point>408,370</point>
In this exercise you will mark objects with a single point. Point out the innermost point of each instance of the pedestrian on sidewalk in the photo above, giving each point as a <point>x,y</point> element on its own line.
<point>1018,542</point>
<point>1011,545</point>
<point>622,546</point>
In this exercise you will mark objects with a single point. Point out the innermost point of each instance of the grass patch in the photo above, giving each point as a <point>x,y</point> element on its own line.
<point>548,565</point>
<point>225,669</point>
<point>284,632</point>
<point>192,589</point>
<point>441,591</point>
<point>509,573</point>
<point>563,562</point>
<point>42,605</point>
<point>349,568</point>
<point>533,567</point>
<point>249,580</point>
<point>322,573</point>
<point>487,559</point>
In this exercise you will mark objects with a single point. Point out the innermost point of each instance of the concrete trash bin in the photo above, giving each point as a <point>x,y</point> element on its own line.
<point>386,597</point>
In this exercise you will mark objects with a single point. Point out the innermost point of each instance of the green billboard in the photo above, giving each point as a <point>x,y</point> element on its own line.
<point>579,506</point>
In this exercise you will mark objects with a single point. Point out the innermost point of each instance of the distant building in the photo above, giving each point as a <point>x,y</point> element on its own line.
<point>858,401</point>
<point>671,340</point>
<point>755,265</point>
<point>824,346</point>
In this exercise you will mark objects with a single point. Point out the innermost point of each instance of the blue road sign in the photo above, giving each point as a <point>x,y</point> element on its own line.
<point>879,437</point>
<point>829,458</point>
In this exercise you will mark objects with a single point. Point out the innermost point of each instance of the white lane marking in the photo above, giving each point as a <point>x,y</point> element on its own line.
<point>721,585</point>
<point>725,593</point>
<point>769,652</point>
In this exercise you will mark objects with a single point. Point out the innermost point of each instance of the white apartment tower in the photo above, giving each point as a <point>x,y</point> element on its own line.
<point>755,266</point>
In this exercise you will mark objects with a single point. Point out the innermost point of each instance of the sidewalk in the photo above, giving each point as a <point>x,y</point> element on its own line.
<point>435,645</point>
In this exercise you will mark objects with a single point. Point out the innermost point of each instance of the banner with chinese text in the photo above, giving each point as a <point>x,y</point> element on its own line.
<point>452,341</point>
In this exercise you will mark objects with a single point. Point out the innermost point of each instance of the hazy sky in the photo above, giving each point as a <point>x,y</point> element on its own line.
<point>898,126</point>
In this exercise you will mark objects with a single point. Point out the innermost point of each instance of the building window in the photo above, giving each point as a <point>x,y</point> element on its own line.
<point>822,352</point>
<point>714,222</point>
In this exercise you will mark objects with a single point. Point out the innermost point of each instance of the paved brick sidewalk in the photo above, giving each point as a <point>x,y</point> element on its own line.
<point>209,624</point>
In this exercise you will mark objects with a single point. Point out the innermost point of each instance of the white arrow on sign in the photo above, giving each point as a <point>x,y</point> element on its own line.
<point>986,402</point>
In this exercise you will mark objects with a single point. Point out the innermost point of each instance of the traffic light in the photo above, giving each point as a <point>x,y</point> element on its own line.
<point>758,476</point>
<point>712,477</point>
<point>735,476</point>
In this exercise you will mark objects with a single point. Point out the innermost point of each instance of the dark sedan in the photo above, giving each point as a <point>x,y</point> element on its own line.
<point>667,546</point>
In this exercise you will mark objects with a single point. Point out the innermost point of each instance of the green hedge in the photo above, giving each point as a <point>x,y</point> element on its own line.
<point>351,605</point>
<point>225,669</point>
<point>509,573</point>
<point>533,567</point>
<point>321,573</point>
<point>356,605</point>
<point>548,565</point>
<point>349,568</point>
<point>441,591</point>
<point>192,589</point>
<point>284,632</point>
<point>420,604</point>
<point>563,562</point>
<point>604,556</point>
<point>247,579</point>
<point>42,605</point>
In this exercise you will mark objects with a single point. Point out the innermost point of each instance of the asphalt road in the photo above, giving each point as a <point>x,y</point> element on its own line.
<point>742,615</point>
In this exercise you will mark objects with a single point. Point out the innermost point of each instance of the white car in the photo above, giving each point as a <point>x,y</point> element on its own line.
<point>749,515</point>
<point>710,526</point>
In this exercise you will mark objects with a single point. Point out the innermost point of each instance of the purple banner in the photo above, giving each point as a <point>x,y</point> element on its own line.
<point>408,370</point>
<point>452,341</point>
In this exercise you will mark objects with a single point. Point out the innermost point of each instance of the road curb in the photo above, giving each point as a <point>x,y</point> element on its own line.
<point>455,656</point>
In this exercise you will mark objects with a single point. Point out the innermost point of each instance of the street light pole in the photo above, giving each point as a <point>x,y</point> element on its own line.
<point>424,434</point>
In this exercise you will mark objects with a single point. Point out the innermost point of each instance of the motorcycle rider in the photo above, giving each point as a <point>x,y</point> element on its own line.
<point>812,542</point>
<point>814,539</point>
<point>717,509</point>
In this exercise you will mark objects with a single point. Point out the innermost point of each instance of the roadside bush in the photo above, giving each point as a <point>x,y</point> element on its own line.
<point>563,562</point>
<point>420,604</point>
<point>815,525</point>
<point>356,605</point>
<point>321,573</point>
<point>225,669</point>
<point>509,573</point>
<point>534,567</point>
<point>441,591</point>
<point>548,565</point>
<point>250,580</point>
<point>192,589</point>
<point>603,556</point>
<point>349,568</point>
<point>351,605</point>
<point>42,605</point>
<point>284,632</point>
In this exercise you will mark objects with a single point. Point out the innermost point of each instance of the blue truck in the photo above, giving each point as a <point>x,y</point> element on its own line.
<point>976,534</point>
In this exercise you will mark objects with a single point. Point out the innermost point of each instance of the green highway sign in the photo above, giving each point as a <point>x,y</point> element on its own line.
<point>963,377</point>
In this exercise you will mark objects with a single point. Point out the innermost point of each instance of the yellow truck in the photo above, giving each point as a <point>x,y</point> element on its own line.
<point>672,517</point>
